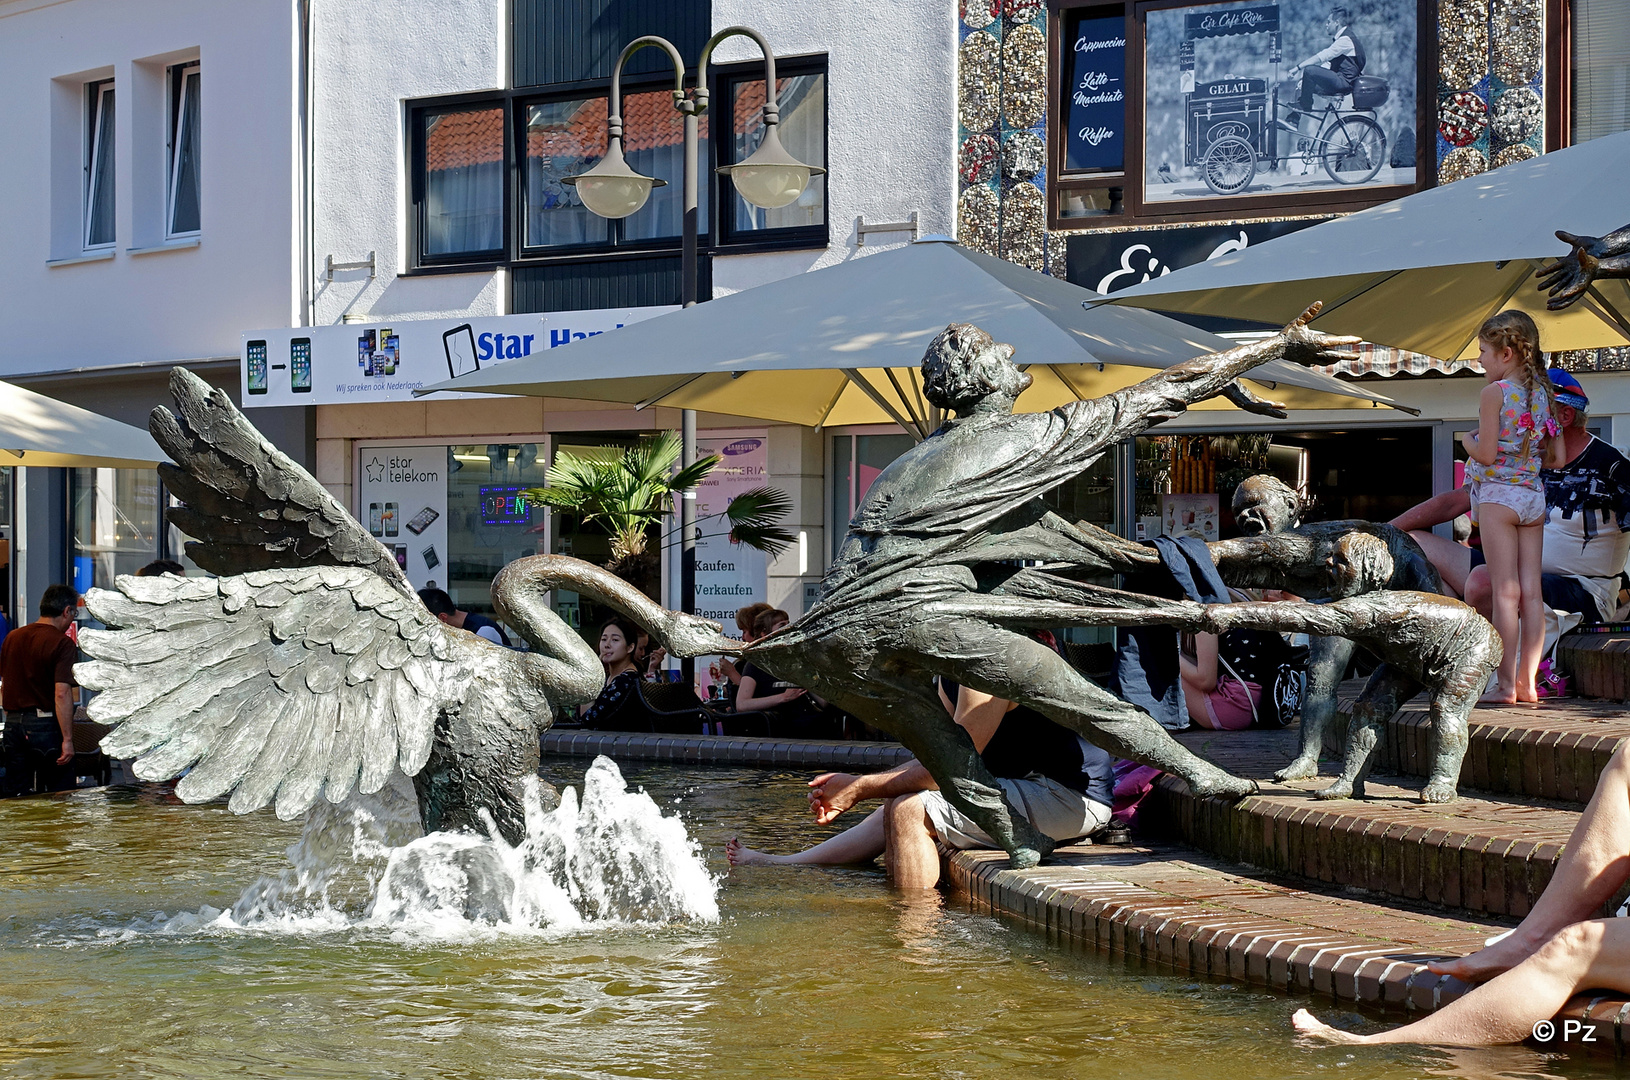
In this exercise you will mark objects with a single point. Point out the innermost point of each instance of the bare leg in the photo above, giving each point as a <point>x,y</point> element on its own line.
<point>1594,955</point>
<point>1531,610</point>
<point>1453,561</point>
<point>1326,664</point>
<point>1387,689</point>
<point>910,856</point>
<point>1480,591</point>
<point>1499,527</point>
<point>858,844</point>
<point>1593,866</point>
<point>1451,707</point>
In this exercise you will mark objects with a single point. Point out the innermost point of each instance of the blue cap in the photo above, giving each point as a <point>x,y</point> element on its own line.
<point>1568,390</point>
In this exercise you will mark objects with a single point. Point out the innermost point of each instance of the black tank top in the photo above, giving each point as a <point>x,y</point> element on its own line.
<point>1026,743</point>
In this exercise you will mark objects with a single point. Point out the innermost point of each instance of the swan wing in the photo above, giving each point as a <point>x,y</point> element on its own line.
<point>285,684</point>
<point>249,505</point>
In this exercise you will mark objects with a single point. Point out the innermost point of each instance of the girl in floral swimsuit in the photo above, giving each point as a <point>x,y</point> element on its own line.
<point>1513,439</point>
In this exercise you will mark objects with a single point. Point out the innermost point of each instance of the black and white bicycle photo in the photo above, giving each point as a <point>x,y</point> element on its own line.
<point>1252,98</point>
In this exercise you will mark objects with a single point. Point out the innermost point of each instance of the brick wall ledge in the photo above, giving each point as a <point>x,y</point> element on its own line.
<point>726,750</point>
<point>1179,908</point>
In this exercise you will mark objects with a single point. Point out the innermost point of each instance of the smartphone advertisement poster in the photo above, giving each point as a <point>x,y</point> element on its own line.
<point>402,500</point>
<point>387,361</point>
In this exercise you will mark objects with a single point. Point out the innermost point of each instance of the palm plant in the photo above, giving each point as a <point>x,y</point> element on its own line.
<point>628,495</point>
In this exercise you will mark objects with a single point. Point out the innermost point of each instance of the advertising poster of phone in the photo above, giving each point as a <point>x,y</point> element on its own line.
<point>387,361</point>
<point>728,575</point>
<point>402,499</point>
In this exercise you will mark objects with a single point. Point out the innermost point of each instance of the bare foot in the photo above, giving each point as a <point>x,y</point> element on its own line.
<point>1438,791</point>
<point>1214,783</point>
<point>1497,699</point>
<point>1484,964</point>
<point>1300,769</point>
<point>745,856</point>
<point>1341,789</point>
<point>1311,1027</point>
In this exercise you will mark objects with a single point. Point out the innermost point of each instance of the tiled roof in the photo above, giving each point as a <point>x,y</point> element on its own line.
<point>461,139</point>
<point>476,136</point>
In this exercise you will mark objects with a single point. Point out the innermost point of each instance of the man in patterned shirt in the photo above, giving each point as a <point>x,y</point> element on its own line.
<point>1587,521</point>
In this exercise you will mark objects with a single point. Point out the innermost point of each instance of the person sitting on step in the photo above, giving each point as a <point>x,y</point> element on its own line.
<point>1062,784</point>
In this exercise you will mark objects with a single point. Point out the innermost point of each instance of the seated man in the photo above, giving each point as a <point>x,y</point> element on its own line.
<point>1345,57</point>
<point>1061,783</point>
<point>1587,522</point>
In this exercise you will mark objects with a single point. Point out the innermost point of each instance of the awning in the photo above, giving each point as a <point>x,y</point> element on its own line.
<point>36,430</point>
<point>842,345</point>
<point>1423,272</point>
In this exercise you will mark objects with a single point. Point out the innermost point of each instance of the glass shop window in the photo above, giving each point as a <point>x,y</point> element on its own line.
<point>7,534</point>
<point>1601,68</point>
<point>490,522</point>
<point>856,461</point>
<point>567,136</point>
<point>801,99</point>
<point>114,519</point>
<point>461,188</point>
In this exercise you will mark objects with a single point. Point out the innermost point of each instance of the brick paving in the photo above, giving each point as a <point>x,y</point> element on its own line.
<point>1552,752</point>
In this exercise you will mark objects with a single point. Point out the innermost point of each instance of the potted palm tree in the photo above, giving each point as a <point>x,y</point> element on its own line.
<point>627,496</point>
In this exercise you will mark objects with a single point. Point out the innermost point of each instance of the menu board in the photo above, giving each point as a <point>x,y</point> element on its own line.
<point>1097,95</point>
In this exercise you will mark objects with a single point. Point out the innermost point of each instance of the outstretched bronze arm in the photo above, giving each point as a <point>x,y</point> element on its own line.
<point>1592,257</point>
<point>1170,392</point>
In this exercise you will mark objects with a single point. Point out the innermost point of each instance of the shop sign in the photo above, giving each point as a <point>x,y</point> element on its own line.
<point>388,360</point>
<point>1097,95</point>
<point>402,500</point>
<point>729,575</point>
<point>1109,262</point>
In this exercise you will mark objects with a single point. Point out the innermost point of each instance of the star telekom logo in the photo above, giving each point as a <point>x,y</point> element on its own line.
<point>376,470</point>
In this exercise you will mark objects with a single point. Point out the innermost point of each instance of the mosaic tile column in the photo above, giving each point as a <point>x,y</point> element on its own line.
<point>1002,132</point>
<point>1491,104</point>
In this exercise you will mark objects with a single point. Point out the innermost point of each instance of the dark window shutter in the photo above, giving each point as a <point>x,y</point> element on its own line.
<point>563,41</point>
<point>581,286</point>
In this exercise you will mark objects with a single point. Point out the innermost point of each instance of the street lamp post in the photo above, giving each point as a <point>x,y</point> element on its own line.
<point>769,178</point>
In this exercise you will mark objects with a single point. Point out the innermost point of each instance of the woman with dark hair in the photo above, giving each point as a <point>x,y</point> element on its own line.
<point>619,706</point>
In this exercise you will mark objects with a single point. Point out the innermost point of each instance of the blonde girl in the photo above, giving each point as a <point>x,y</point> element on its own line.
<point>1514,438</point>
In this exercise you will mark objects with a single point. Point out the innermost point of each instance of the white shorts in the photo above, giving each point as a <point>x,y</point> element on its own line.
<point>1055,810</point>
<point>1526,502</point>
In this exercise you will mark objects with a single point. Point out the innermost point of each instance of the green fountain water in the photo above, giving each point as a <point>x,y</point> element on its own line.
<point>116,961</point>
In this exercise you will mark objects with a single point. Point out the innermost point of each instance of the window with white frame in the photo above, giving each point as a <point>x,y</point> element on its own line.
<point>99,164</point>
<point>182,217</point>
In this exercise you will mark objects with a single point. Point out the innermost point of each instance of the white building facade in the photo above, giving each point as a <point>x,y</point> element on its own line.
<point>189,178</point>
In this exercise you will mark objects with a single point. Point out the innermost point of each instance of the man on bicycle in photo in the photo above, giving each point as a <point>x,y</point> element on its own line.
<point>1345,57</point>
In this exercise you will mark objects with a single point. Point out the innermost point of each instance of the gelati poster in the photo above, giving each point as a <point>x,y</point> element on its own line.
<point>1224,88</point>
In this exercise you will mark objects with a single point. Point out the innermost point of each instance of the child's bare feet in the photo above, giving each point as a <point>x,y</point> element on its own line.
<point>1311,1027</point>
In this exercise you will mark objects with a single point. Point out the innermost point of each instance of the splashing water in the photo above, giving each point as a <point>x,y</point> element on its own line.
<point>366,864</point>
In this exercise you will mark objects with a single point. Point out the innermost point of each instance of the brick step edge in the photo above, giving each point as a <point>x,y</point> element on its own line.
<point>726,750</point>
<point>1520,753</point>
<point>1178,933</point>
<point>1597,664</point>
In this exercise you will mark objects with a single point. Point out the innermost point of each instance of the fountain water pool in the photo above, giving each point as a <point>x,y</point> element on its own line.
<point>142,937</point>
